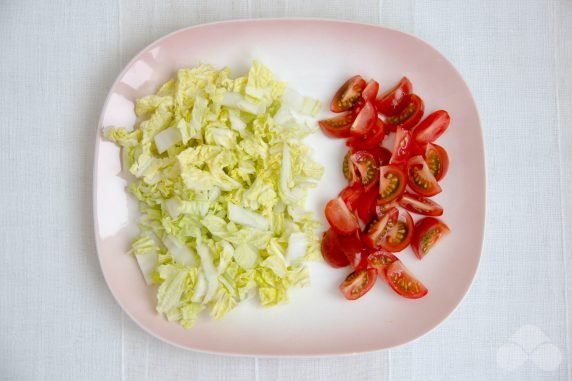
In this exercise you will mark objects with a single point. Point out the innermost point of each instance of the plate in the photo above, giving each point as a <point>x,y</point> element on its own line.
<point>314,57</point>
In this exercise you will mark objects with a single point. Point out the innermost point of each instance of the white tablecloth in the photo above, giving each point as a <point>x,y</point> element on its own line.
<point>58,321</point>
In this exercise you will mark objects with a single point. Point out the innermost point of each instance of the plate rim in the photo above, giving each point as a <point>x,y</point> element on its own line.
<point>281,20</point>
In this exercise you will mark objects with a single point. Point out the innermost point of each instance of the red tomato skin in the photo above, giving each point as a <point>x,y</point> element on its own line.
<point>331,250</point>
<point>338,126</point>
<point>420,205</point>
<point>395,99</point>
<point>435,152</point>
<point>340,218</point>
<point>423,227</point>
<point>432,127</point>
<point>409,116</point>
<point>348,94</point>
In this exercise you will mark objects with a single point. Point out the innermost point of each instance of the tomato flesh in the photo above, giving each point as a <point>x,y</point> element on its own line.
<point>381,155</point>
<point>409,116</point>
<point>394,100</point>
<point>402,281</point>
<point>358,283</point>
<point>331,250</point>
<point>366,204</point>
<point>341,219</point>
<point>378,229</point>
<point>399,235</point>
<point>372,140</point>
<point>402,147</point>
<point>438,160</point>
<point>364,121</point>
<point>420,205</point>
<point>428,231</point>
<point>351,195</point>
<point>338,126</point>
<point>382,208</point>
<point>380,260</point>
<point>354,250</point>
<point>432,127</point>
<point>348,94</point>
<point>370,92</point>
<point>366,166</point>
<point>392,183</point>
<point>421,180</point>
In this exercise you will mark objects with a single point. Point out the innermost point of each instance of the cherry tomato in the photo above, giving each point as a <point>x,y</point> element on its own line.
<point>370,92</point>
<point>364,121</point>
<point>403,282</point>
<point>331,250</point>
<point>341,219</point>
<point>382,208</point>
<point>380,260</point>
<point>432,127</point>
<point>428,231</point>
<point>366,204</point>
<point>392,183</point>
<point>420,205</point>
<point>354,250</point>
<point>352,194</point>
<point>348,94</point>
<point>349,170</point>
<point>399,235</point>
<point>421,180</point>
<point>338,126</point>
<point>437,159</point>
<point>381,155</point>
<point>378,229</point>
<point>364,163</point>
<point>395,100</point>
<point>372,140</point>
<point>409,116</point>
<point>401,147</point>
<point>358,283</point>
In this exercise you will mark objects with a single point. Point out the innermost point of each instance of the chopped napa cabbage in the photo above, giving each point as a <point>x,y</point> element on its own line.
<point>221,174</point>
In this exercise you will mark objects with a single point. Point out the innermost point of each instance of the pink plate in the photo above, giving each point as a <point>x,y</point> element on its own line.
<point>314,57</point>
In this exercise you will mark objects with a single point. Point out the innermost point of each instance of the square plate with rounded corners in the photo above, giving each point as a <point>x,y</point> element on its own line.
<point>314,57</point>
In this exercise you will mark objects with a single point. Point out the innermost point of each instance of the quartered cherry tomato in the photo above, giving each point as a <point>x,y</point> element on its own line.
<point>358,283</point>
<point>377,230</point>
<point>437,159</point>
<point>370,92</point>
<point>428,231</point>
<point>409,116</point>
<point>432,127</point>
<point>392,182</point>
<point>332,251</point>
<point>395,100</point>
<point>348,94</point>
<point>372,140</point>
<point>421,180</point>
<point>420,205</point>
<point>399,234</point>
<point>401,147</point>
<point>380,260</point>
<point>341,219</point>
<point>364,121</point>
<point>381,155</point>
<point>351,195</point>
<point>382,208</point>
<point>354,249</point>
<point>403,282</point>
<point>338,126</point>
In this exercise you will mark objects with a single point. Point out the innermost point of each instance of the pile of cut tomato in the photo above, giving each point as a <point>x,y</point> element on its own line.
<point>370,220</point>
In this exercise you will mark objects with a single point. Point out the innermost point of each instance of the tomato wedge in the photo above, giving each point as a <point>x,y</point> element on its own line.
<point>352,194</point>
<point>395,100</point>
<point>438,160</point>
<point>348,169</point>
<point>399,235</point>
<point>370,92</point>
<point>341,219</point>
<point>420,205</point>
<point>372,140</point>
<point>380,260</point>
<point>338,126</point>
<point>358,283</point>
<point>402,281</point>
<point>364,121</point>
<point>348,94</point>
<point>382,208</point>
<point>428,231</point>
<point>421,180</point>
<point>392,183</point>
<point>432,127</point>
<point>409,116</point>
<point>332,251</point>
<point>366,167</point>
<point>401,147</point>
<point>381,155</point>
<point>354,250</point>
<point>378,229</point>
<point>366,205</point>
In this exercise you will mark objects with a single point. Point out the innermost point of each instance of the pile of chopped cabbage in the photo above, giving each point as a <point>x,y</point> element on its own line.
<point>221,174</point>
